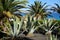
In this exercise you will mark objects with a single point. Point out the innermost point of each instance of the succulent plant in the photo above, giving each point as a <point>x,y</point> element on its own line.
<point>49,25</point>
<point>13,27</point>
<point>31,25</point>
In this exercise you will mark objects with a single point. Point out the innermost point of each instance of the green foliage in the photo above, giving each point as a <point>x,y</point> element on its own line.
<point>57,8</point>
<point>54,37</point>
<point>31,24</point>
<point>14,28</point>
<point>58,21</point>
<point>8,5</point>
<point>49,25</point>
<point>38,9</point>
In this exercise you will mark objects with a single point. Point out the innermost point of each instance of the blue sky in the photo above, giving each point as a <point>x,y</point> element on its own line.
<point>49,2</point>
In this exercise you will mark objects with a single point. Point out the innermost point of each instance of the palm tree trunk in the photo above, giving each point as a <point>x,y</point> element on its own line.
<point>38,17</point>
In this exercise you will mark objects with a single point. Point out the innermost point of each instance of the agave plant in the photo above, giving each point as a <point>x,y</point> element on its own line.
<point>14,30</point>
<point>49,25</point>
<point>31,25</point>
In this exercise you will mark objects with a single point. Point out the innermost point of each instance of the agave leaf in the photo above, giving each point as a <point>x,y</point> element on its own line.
<point>31,24</point>
<point>50,22</point>
<point>53,25</point>
<point>9,29</point>
<point>20,25</point>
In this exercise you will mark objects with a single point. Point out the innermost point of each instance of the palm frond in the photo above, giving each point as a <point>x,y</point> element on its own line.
<point>56,9</point>
<point>57,5</point>
<point>38,8</point>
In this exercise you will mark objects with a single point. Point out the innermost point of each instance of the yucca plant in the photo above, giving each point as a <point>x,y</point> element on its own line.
<point>49,25</point>
<point>14,30</point>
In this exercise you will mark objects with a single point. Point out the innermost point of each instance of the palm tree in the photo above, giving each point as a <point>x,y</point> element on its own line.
<point>38,9</point>
<point>7,7</point>
<point>57,8</point>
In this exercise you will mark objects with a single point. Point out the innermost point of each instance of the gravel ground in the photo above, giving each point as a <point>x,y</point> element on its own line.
<point>39,37</point>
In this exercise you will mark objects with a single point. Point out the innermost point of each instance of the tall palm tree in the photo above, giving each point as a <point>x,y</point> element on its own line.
<point>38,9</point>
<point>57,8</point>
<point>7,7</point>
